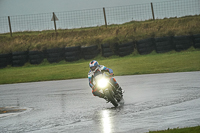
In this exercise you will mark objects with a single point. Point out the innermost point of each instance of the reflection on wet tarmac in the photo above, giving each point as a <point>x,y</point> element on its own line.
<point>106,121</point>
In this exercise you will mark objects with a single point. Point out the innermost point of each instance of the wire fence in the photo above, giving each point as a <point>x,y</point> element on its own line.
<point>176,8</point>
<point>99,17</point>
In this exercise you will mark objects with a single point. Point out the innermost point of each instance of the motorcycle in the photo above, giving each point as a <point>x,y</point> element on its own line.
<point>108,89</point>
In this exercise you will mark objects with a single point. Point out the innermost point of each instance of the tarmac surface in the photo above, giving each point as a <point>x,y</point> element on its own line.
<point>152,102</point>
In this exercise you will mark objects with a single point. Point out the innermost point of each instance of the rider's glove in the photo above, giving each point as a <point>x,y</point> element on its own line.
<point>111,74</point>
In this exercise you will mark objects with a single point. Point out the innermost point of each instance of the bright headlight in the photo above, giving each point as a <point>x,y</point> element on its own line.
<point>102,83</point>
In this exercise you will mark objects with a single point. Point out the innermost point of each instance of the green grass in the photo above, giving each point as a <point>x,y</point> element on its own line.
<point>129,65</point>
<point>178,130</point>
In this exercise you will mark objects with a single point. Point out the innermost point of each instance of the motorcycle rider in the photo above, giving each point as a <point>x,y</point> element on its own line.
<point>94,68</point>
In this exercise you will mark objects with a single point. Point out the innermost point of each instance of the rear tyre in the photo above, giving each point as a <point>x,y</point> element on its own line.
<point>111,98</point>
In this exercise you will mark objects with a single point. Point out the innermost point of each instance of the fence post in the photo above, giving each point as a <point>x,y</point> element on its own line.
<point>10,26</point>
<point>152,11</point>
<point>54,19</point>
<point>104,12</point>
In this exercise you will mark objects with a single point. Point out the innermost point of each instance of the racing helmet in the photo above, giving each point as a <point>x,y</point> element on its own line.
<point>93,65</point>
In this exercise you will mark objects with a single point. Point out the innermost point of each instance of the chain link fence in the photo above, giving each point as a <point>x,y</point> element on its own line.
<point>99,17</point>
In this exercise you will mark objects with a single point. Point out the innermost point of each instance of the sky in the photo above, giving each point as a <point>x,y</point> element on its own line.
<point>23,7</point>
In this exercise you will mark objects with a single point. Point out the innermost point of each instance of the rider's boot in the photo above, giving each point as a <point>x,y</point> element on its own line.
<point>107,101</point>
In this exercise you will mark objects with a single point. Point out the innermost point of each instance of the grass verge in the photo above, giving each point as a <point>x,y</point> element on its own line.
<point>130,31</point>
<point>178,130</point>
<point>129,65</point>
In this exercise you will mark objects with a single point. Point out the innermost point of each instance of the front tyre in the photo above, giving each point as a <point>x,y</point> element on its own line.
<point>111,98</point>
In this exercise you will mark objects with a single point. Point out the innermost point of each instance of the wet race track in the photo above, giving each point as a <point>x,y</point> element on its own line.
<point>152,102</point>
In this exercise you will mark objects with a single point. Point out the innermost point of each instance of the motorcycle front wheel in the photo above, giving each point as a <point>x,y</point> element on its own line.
<point>111,98</point>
